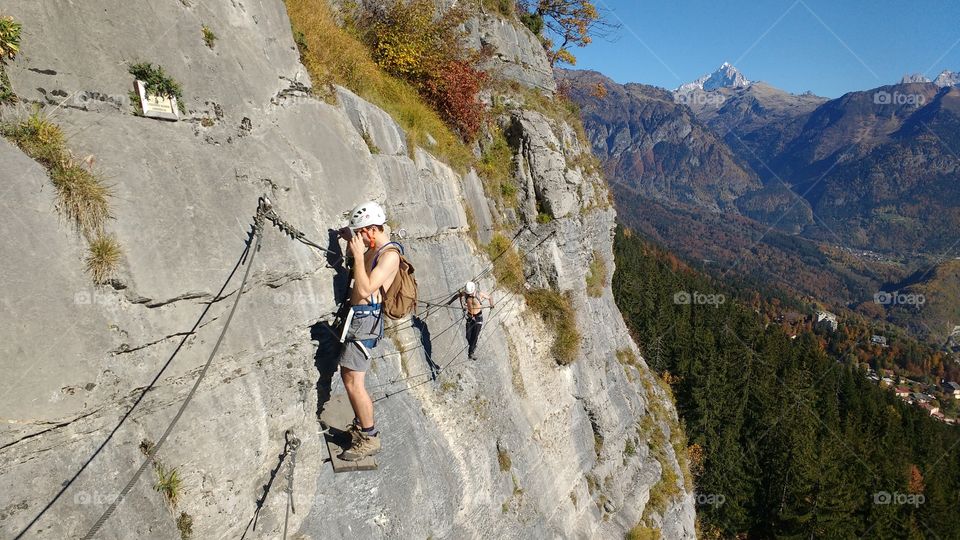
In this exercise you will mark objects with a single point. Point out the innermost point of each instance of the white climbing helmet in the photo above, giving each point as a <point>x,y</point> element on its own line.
<point>470,287</point>
<point>368,213</point>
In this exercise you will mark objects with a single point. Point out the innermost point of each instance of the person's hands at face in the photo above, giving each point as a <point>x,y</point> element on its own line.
<point>357,245</point>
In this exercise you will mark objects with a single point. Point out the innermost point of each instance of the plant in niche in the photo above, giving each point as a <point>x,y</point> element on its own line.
<point>157,82</point>
<point>208,36</point>
<point>9,38</point>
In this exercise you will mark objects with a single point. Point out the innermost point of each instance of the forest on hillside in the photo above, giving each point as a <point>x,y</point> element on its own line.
<point>795,443</point>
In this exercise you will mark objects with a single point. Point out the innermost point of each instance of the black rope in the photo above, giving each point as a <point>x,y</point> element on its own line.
<point>444,367</point>
<point>455,323</point>
<point>486,270</point>
<point>431,371</point>
<point>288,442</point>
<point>267,211</point>
<point>149,387</point>
<point>294,446</point>
<point>251,252</point>
<point>434,307</point>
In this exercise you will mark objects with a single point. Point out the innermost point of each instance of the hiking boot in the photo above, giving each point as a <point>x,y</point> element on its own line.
<point>363,446</point>
<point>353,433</point>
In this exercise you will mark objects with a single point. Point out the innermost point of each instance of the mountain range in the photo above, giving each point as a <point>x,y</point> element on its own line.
<point>836,199</point>
<point>946,78</point>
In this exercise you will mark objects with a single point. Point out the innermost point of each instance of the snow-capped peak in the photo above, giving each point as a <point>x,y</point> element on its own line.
<point>726,76</point>
<point>947,78</point>
<point>915,78</point>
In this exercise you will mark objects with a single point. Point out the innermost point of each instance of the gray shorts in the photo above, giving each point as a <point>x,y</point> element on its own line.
<point>363,340</point>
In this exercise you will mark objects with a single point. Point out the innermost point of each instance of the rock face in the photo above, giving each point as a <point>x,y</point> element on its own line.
<point>78,356</point>
<point>517,53</point>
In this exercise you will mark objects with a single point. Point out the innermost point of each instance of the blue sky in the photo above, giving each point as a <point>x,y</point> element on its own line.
<point>829,47</point>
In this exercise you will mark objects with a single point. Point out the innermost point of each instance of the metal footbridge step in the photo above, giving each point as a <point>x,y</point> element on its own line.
<point>336,417</point>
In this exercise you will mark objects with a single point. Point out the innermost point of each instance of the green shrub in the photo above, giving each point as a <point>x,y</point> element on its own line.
<point>508,190</point>
<point>208,36</point>
<point>557,311</point>
<point>597,275</point>
<point>333,56</point>
<point>428,52</point>
<point>185,525</point>
<point>9,48</point>
<point>507,265</point>
<point>157,82</point>
<point>9,38</point>
<point>495,168</point>
<point>532,21</point>
<point>168,484</point>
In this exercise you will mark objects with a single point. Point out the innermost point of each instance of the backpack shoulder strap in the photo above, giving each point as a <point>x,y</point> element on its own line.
<point>388,245</point>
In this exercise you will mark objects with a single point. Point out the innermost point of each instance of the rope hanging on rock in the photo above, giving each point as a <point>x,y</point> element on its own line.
<point>253,246</point>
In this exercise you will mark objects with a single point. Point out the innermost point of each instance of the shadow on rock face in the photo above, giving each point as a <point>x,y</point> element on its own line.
<point>326,333</point>
<point>325,359</point>
<point>427,344</point>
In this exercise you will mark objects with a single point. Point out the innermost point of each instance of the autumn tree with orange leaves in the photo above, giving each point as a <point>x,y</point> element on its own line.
<point>566,24</point>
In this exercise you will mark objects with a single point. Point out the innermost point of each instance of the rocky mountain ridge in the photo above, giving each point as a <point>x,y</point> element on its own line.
<point>868,172</point>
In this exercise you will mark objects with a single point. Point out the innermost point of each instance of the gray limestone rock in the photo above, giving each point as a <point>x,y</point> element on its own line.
<point>78,356</point>
<point>517,53</point>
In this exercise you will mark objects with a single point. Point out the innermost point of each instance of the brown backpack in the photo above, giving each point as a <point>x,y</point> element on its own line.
<point>401,299</point>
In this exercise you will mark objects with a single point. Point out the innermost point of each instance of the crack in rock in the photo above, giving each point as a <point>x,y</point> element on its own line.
<point>53,427</point>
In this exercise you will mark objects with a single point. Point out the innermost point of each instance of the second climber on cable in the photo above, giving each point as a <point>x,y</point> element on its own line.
<point>471,300</point>
<point>374,271</point>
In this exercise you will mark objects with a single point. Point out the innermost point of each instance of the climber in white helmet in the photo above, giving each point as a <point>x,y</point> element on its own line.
<point>471,300</point>
<point>374,270</point>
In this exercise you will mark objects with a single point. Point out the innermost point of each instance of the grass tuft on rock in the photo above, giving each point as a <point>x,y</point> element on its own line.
<point>103,258</point>
<point>642,532</point>
<point>209,38</point>
<point>185,525</point>
<point>504,459</point>
<point>597,275</point>
<point>557,311</point>
<point>39,138</point>
<point>81,198</point>
<point>507,265</point>
<point>168,484</point>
